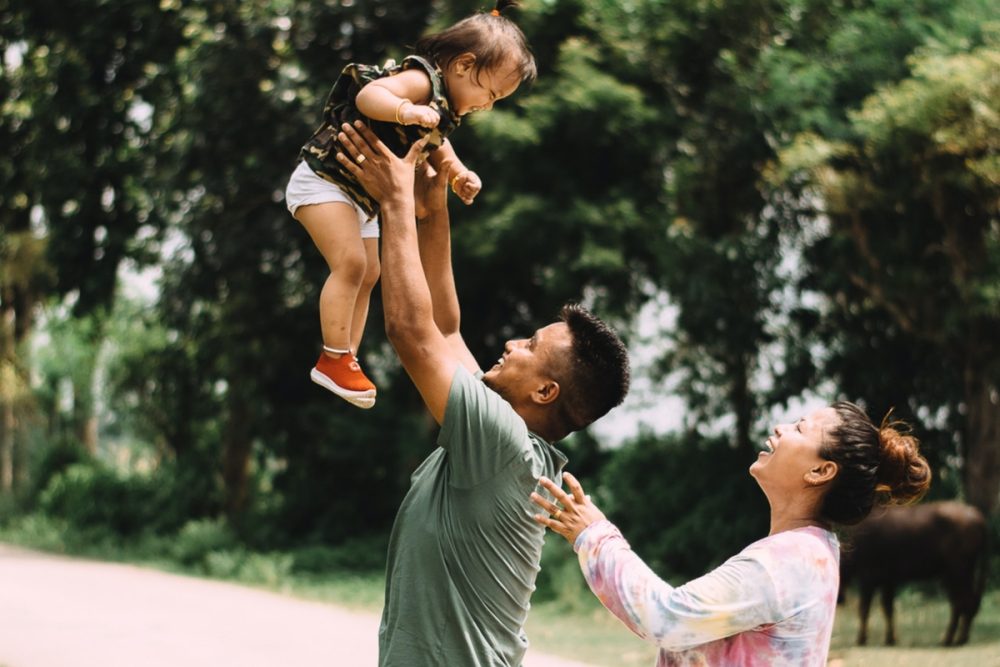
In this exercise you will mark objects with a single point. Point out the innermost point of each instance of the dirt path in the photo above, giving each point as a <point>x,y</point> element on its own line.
<point>56,612</point>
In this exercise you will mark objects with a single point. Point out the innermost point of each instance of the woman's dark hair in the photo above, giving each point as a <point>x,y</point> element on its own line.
<point>594,375</point>
<point>491,37</point>
<point>875,464</point>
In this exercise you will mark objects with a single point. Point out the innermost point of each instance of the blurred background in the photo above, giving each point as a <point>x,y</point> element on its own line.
<point>778,202</point>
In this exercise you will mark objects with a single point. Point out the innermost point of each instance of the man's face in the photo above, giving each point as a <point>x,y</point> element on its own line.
<point>527,362</point>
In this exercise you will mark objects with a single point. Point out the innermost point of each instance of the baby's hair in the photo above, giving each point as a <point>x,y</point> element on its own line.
<point>491,37</point>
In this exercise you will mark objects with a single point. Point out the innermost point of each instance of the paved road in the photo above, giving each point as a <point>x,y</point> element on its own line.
<point>64,612</point>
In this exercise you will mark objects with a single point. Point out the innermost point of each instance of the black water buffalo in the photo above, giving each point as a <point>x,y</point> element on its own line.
<point>945,541</point>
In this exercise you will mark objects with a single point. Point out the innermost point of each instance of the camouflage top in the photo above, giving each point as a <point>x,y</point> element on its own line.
<point>320,152</point>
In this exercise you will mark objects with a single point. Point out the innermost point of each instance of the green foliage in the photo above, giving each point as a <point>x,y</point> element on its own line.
<point>684,503</point>
<point>559,581</point>
<point>90,495</point>
<point>360,554</point>
<point>686,147</point>
<point>197,539</point>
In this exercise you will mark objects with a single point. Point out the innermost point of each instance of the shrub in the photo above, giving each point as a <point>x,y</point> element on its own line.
<point>359,554</point>
<point>90,495</point>
<point>199,538</point>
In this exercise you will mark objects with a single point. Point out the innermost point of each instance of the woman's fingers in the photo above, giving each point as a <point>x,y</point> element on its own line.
<point>554,489</point>
<point>575,488</point>
<point>543,503</point>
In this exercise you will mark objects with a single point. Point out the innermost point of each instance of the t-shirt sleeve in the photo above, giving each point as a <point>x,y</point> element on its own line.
<point>738,595</point>
<point>481,431</point>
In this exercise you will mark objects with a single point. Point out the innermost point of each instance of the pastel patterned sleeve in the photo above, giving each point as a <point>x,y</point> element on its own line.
<point>737,596</point>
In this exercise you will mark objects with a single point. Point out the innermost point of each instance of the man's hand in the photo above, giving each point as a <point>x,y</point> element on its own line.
<point>577,511</point>
<point>381,173</point>
<point>431,191</point>
<point>467,185</point>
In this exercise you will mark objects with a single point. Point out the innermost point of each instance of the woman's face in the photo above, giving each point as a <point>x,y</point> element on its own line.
<point>791,453</point>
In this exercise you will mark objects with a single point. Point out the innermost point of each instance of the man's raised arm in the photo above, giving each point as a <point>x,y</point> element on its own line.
<point>409,309</point>
<point>434,234</point>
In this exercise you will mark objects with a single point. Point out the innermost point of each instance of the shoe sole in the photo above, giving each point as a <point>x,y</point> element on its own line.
<point>362,399</point>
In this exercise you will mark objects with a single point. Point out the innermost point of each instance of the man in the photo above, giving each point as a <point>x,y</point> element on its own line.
<point>464,550</point>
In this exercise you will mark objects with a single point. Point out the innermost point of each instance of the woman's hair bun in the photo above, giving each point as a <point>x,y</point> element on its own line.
<point>903,473</point>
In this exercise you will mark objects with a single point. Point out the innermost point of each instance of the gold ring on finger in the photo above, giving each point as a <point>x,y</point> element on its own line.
<point>360,159</point>
<point>557,514</point>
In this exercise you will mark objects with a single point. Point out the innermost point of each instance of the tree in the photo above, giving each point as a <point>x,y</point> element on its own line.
<point>912,259</point>
<point>79,111</point>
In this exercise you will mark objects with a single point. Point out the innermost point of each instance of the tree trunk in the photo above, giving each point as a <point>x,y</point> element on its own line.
<point>84,418</point>
<point>6,446</point>
<point>7,397</point>
<point>742,404</point>
<point>236,447</point>
<point>982,440</point>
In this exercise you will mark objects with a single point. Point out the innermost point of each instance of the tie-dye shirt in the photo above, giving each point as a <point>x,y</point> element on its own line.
<point>771,604</point>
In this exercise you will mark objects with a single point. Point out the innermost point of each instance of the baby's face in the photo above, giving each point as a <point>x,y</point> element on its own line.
<point>472,90</point>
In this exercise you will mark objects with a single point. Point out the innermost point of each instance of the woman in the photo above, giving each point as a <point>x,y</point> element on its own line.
<point>773,603</point>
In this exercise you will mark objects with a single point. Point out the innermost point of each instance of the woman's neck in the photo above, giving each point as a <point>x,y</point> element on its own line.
<point>780,526</point>
<point>790,517</point>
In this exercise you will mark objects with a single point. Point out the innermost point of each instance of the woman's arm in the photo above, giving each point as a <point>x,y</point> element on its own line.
<point>737,596</point>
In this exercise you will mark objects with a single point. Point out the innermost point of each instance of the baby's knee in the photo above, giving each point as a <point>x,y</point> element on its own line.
<point>373,270</point>
<point>350,264</point>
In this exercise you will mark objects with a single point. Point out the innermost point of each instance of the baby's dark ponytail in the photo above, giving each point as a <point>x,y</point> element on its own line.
<point>503,5</point>
<point>491,37</point>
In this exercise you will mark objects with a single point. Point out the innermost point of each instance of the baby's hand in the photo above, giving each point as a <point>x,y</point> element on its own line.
<point>419,114</point>
<point>466,185</point>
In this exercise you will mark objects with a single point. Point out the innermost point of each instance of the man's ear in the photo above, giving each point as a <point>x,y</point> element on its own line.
<point>546,392</point>
<point>822,473</point>
<point>463,64</point>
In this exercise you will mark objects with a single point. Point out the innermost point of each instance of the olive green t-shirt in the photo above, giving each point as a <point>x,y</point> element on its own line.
<point>464,549</point>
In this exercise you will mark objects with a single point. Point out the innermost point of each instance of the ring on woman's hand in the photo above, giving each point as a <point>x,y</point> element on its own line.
<point>360,159</point>
<point>557,514</point>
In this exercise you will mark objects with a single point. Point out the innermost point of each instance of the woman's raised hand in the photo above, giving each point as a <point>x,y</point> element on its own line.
<point>573,512</point>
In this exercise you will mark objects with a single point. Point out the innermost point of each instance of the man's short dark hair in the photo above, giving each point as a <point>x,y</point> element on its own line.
<point>594,376</point>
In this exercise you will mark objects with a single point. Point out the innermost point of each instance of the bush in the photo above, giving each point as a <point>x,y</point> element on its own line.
<point>684,503</point>
<point>361,554</point>
<point>560,579</point>
<point>271,569</point>
<point>38,532</point>
<point>90,495</point>
<point>200,538</point>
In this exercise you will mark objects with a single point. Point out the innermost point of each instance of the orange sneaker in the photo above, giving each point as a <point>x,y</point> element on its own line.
<point>345,378</point>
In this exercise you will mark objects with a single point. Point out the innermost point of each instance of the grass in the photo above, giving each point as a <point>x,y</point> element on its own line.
<point>573,626</point>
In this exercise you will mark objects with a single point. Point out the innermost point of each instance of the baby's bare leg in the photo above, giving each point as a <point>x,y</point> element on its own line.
<point>334,229</point>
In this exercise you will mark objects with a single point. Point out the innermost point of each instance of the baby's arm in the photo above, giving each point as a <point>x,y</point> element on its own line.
<point>400,98</point>
<point>464,182</point>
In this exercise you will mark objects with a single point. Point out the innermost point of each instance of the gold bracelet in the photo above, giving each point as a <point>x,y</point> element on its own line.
<point>455,178</point>
<point>398,108</point>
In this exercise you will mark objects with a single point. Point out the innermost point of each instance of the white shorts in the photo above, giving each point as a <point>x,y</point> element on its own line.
<point>306,187</point>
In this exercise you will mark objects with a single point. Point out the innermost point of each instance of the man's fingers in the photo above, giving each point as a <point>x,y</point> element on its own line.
<point>351,165</point>
<point>359,140</point>
<point>416,147</point>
